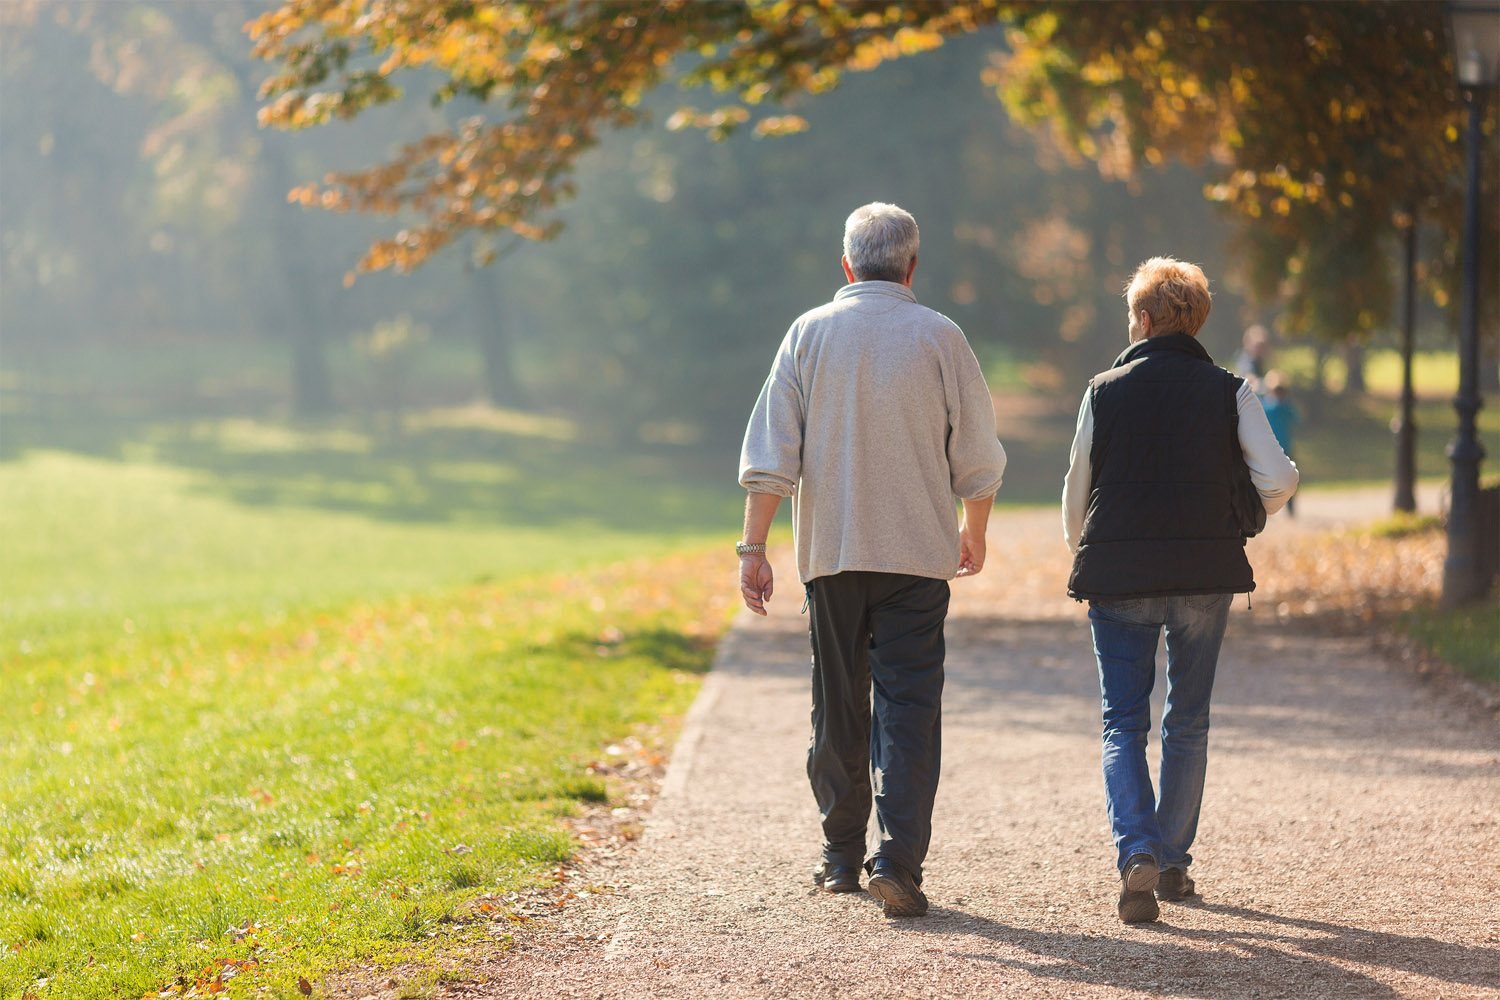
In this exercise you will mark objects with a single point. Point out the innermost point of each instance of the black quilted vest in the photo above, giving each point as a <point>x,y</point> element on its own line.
<point>1160,520</point>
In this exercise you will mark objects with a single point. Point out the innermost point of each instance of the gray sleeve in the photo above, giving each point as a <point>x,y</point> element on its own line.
<point>1075,498</point>
<point>1274,475</point>
<point>976,459</point>
<point>771,458</point>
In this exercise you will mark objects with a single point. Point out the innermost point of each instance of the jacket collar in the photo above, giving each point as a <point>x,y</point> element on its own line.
<point>1180,343</point>
<point>864,288</point>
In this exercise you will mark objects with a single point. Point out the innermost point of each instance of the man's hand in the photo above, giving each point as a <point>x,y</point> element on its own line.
<point>970,552</point>
<point>755,582</point>
<point>971,535</point>
<point>755,569</point>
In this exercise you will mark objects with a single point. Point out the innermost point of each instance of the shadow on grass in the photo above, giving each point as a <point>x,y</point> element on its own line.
<point>668,648</point>
<point>434,474</point>
<point>601,476</point>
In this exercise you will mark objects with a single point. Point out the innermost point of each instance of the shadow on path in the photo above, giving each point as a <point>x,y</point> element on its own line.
<point>1241,957</point>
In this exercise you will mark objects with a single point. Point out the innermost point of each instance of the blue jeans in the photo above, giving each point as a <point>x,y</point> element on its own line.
<point>1125,634</point>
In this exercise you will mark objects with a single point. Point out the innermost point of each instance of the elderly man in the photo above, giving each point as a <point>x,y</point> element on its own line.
<point>875,419</point>
<point>1164,442</point>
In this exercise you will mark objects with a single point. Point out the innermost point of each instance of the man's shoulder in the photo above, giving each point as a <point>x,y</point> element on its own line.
<point>932,326</point>
<point>824,311</point>
<point>941,323</point>
<point>913,314</point>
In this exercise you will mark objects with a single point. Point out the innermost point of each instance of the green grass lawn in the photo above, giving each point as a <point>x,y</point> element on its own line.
<point>1466,638</point>
<point>93,547</point>
<point>1434,373</point>
<point>1345,439</point>
<point>287,695</point>
<point>1349,440</point>
<point>286,700</point>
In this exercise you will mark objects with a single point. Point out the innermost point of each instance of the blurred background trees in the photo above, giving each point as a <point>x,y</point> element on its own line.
<point>587,252</point>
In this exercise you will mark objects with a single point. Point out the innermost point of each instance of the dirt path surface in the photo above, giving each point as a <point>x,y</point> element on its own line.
<point>1350,842</point>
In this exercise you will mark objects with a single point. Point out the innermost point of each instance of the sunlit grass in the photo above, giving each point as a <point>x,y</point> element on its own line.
<point>1349,440</point>
<point>323,791</point>
<point>1434,373</point>
<point>1400,524</point>
<point>1466,638</point>
<point>94,548</point>
<point>299,737</point>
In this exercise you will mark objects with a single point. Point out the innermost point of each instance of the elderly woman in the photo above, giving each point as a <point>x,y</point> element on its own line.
<point>1164,439</point>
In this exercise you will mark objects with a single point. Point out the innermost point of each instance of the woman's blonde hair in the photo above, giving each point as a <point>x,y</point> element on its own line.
<point>1175,295</point>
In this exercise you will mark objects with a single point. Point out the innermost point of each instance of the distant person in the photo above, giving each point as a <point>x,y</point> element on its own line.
<point>874,419</point>
<point>1283,416</point>
<point>1147,511</point>
<point>1254,355</point>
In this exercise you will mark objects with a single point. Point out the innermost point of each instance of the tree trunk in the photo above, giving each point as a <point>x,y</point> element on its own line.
<point>496,345</point>
<point>312,392</point>
<point>300,315</point>
<point>1317,396</point>
<point>301,305</point>
<point>1354,367</point>
<point>1489,369</point>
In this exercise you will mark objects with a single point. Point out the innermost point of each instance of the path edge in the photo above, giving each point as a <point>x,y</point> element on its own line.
<point>695,723</point>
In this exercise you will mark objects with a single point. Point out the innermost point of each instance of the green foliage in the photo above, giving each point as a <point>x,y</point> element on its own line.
<point>1329,123</point>
<point>1331,128</point>
<point>682,263</point>
<point>709,250</point>
<point>560,73</point>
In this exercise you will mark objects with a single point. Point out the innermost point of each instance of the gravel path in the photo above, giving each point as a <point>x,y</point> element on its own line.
<point>1350,843</point>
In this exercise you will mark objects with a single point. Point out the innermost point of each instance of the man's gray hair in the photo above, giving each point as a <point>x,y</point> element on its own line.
<point>880,241</point>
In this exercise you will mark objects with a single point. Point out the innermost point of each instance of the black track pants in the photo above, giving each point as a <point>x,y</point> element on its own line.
<point>882,631</point>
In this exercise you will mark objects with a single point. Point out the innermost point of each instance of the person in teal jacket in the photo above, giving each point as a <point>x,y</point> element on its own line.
<point>1281,413</point>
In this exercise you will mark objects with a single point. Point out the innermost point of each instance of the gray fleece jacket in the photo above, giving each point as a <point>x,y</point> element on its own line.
<point>874,419</point>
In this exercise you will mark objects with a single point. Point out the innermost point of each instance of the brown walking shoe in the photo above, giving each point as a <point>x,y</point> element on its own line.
<point>1137,880</point>
<point>895,887</point>
<point>1173,884</point>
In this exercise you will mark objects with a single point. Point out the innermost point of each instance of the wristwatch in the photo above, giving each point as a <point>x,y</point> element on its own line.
<point>749,548</point>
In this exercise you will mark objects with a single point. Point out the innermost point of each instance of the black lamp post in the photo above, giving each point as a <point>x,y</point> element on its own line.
<point>1474,31</point>
<point>1405,425</point>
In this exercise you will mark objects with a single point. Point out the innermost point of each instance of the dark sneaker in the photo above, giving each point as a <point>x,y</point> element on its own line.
<point>1173,884</point>
<point>836,878</point>
<point>895,887</point>
<point>1137,880</point>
